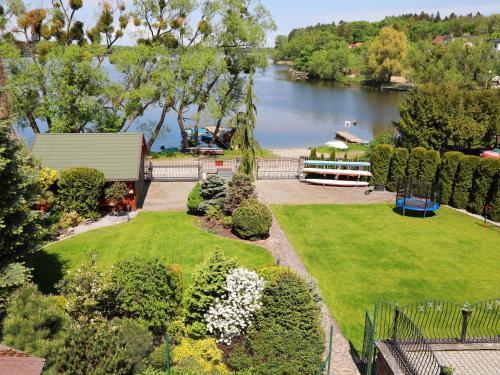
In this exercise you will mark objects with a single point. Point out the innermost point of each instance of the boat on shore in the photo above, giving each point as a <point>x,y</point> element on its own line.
<point>338,172</point>
<point>343,183</point>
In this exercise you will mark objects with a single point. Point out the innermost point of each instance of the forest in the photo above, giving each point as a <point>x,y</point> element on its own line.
<point>399,45</point>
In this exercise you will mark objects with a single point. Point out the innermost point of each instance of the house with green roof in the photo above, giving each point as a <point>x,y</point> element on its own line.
<point>120,156</point>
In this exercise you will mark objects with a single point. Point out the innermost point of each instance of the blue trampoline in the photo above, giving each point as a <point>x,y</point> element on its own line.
<point>418,197</point>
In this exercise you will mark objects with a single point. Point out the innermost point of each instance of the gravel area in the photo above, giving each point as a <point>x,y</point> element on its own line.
<point>167,196</point>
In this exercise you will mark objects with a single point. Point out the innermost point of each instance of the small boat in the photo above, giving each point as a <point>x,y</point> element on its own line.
<point>344,183</point>
<point>337,163</point>
<point>490,154</point>
<point>338,172</point>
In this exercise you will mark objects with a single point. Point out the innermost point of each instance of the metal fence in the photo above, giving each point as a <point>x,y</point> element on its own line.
<point>279,168</point>
<point>410,348</point>
<point>410,330</point>
<point>197,169</point>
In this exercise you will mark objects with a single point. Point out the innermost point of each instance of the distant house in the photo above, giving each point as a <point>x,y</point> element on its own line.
<point>13,361</point>
<point>495,82</point>
<point>120,156</point>
<point>441,39</point>
<point>496,43</point>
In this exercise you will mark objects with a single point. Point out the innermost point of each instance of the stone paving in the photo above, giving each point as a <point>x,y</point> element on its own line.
<point>284,253</point>
<point>477,359</point>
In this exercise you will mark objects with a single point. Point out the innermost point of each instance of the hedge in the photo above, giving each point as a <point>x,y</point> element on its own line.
<point>398,168</point>
<point>414,161</point>
<point>463,181</point>
<point>482,192</point>
<point>81,190</point>
<point>447,172</point>
<point>428,167</point>
<point>380,161</point>
<point>495,201</point>
<point>195,200</point>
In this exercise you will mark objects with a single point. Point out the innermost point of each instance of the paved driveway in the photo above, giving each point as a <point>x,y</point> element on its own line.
<point>296,192</point>
<point>167,196</point>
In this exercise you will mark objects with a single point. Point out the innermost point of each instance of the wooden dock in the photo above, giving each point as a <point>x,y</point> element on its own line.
<point>349,137</point>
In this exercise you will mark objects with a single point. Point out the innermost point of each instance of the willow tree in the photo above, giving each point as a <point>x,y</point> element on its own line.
<point>244,137</point>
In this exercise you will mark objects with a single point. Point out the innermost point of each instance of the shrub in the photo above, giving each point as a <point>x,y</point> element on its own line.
<point>241,187</point>
<point>116,192</point>
<point>446,174</point>
<point>86,291</point>
<point>276,351</point>
<point>482,188</point>
<point>147,289</point>
<point>80,190</point>
<point>495,200</point>
<point>111,348</point>
<point>333,155</point>
<point>381,160</point>
<point>313,155</point>
<point>199,356</point>
<point>287,302</point>
<point>428,167</point>
<point>214,213</point>
<point>209,283</point>
<point>463,181</point>
<point>397,170</point>
<point>384,138</point>
<point>229,316</point>
<point>414,161</point>
<point>195,200</point>
<point>70,220</point>
<point>213,192</point>
<point>252,220</point>
<point>227,222</point>
<point>35,324</point>
<point>47,178</point>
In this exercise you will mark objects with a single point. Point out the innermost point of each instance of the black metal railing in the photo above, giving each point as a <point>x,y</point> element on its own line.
<point>447,322</point>
<point>410,348</point>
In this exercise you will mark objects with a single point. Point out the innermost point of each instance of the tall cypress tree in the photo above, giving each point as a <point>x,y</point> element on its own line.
<point>244,137</point>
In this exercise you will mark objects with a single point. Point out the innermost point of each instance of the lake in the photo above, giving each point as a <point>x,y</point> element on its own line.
<point>298,114</point>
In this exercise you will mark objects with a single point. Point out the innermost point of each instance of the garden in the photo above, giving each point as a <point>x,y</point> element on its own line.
<point>367,253</point>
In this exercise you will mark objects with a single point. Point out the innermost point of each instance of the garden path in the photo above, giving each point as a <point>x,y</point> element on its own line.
<point>285,255</point>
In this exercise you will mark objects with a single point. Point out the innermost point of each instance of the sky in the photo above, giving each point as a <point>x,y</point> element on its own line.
<point>290,14</point>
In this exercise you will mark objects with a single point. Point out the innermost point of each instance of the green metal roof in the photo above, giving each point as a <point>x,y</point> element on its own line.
<point>117,155</point>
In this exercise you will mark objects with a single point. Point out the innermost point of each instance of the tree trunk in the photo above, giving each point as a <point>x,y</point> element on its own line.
<point>33,123</point>
<point>184,136</point>
<point>158,126</point>
<point>223,109</point>
<point>4,98</point>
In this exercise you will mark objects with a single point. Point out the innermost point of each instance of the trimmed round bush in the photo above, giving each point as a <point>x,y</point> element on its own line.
<point>81,190</point>
<point>147,289</point>
<point>463,181</point>
<point>195,200</point>
<point>446,174</point>
<point>381,160</point>
<point>428,167</point>
<point>483,184</point>
<point>252,220</point>
<point>397,169</point>
<point>414,161</point>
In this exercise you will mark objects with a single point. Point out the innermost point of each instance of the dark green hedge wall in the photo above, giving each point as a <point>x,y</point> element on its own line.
<point>381,160</point>
<point>483,182</point>
<point>397,170</point>
<point>428,166</point>
<point>463,181</point>
<point>447,172</point>
<point>414,161</point>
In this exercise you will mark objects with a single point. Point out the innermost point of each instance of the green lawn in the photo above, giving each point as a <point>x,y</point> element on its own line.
<point>364,254</point>
<point>171,236</point>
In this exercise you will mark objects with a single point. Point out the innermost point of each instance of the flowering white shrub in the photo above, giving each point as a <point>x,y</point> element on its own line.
<point>229,316</point>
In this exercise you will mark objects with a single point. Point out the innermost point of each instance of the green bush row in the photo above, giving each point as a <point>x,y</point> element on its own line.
<point>466,181</point>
